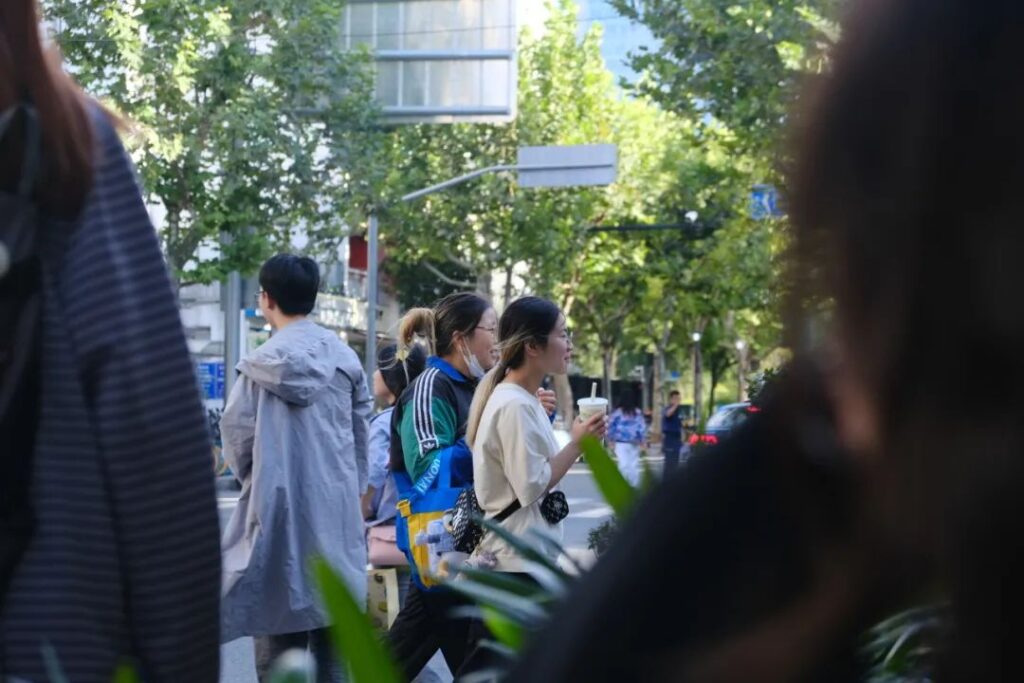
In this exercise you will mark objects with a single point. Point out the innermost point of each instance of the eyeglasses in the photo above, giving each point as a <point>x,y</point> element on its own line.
<point>565,334</point>
<point>492,330</point>
<point>257,296</point>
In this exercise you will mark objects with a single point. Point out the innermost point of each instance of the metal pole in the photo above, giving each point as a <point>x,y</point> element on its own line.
<point>496,169</point>
<point>232,329</point>
<point>741,371</point>
<point>371,296</point>
<point>698,384</point>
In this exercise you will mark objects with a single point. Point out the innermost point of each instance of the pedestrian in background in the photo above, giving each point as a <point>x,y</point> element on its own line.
<point>627,429</point>
<point>516,459</point>
<point>396,370</point>
<point>295,433</point>
<point>672,432</point>
<point>106,452</point>
<point>429,419</point>
<point>517,462</point>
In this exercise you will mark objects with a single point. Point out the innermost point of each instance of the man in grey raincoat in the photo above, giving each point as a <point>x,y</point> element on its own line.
<point>295,434</point>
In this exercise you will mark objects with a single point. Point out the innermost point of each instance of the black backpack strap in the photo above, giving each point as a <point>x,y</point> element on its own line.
<point>21,319</point>
<point>32,146</point>
<point>33,152</point>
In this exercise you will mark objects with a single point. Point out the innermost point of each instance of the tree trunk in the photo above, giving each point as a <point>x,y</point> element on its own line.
<point>508,285</point>
<point>606,367</point>
<point>698,381</point>
<point>685,379</point>
<point>483,285</point>
<point>175,283</point>
<point>741,376</point>
<point>714,386</point>
<point>657,389</point>
<point>566,402</point>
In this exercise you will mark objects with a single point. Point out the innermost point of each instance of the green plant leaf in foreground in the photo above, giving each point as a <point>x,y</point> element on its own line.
<point>519,609</point>
<point>905,646</point>
<point>506,631</point>
<point>524,547</point>
<point>54,671</point>
<point>293,666</point>
<point>502,581</point>
<point>613,486</point>
<point>555,547</point>
<point>126,673</point>
<point>648,480</point>
<point>353,636</point>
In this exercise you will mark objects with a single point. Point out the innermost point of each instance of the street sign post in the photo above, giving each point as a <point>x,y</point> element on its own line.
<point>211,379</point>
<point>764,203</point>
<point>555,166</point>
<point>568,166</point>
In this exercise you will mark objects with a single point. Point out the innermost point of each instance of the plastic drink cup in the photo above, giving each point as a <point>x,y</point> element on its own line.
<point>592,406</point>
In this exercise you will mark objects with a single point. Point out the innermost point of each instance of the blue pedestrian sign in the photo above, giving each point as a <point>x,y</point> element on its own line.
<point>211,379</point>
<point>764,203</point>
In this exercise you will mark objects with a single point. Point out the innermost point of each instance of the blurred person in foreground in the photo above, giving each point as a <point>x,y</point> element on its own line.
<point>850,496</point>
<point>120,561</point>
<point>295,433</point>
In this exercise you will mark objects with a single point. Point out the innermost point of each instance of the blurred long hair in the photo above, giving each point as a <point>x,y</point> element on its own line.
<point>32,73</point>
<point>906,206</point>
<point>436,327</point>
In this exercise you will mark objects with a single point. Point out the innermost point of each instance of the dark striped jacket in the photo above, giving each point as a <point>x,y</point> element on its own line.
<point>125,561</point>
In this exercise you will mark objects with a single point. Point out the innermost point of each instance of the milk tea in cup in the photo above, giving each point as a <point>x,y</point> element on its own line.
<point>592,406</point>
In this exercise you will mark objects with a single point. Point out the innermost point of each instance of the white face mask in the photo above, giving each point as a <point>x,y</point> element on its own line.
<point>475,369</point>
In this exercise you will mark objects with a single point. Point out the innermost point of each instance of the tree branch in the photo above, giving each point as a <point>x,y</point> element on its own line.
<point>570,293</point>
<point>447,280</point>
<point>458,261</point>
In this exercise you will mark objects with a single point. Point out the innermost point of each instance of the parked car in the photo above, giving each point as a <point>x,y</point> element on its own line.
<point>724,420</point>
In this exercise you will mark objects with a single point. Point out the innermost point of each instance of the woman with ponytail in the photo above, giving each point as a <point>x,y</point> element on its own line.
<point>515,456</point>
<point>516,460</point>
<point>427,425</point>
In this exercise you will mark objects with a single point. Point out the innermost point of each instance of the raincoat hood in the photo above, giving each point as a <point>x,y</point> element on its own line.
<point>297,363</point>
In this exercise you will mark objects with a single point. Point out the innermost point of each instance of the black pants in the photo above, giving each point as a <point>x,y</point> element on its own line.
<point>426,625</point>
<point>483,658</point>
<point>670,448</point>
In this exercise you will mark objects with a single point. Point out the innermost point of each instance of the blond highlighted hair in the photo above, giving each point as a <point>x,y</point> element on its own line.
<point>436,327</point>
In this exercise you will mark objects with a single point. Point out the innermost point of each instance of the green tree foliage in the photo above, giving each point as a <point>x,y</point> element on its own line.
<point>248,120</point>
<point>739,63</point>
<point>731,72</point>
<point>566,96</point>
